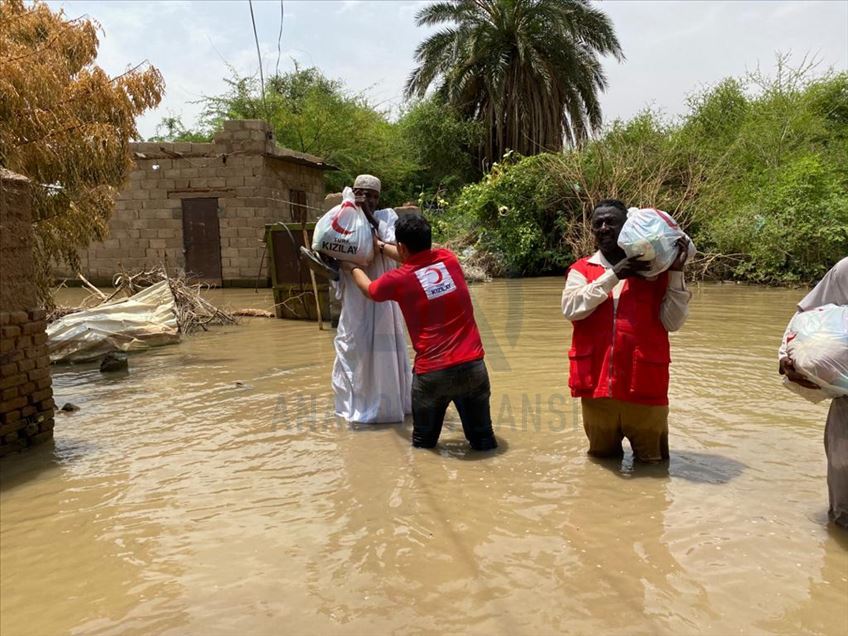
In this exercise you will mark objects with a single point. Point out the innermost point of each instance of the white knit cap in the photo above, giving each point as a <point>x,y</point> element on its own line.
<point>367,182</point>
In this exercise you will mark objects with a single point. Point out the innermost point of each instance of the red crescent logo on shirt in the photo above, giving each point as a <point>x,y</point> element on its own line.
<point>437,273</point>
<point>337,217</point>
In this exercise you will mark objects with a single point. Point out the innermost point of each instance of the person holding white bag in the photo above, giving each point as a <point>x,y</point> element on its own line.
<point>372,377</point>
<point>620,354</point>
<point>832,289</point>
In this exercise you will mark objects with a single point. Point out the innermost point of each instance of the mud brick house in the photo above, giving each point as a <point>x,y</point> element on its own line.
<point>203,207</point>
<point>26,394</point>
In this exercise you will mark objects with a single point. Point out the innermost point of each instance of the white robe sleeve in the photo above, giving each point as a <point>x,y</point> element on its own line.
<point>580,298</point>
<point>832,288</point>
<point>675,305</point>
<point>388,218</point>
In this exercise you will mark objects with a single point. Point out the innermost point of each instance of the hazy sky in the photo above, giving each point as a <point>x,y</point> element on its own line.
<point>672,48</point>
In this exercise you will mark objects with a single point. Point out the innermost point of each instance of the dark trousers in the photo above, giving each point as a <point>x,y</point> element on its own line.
<point>467,386</point>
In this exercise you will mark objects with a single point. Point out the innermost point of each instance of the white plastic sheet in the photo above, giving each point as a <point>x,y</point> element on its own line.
<point>147,319</point>
<point>817,344</point>
<point>653,235</point>
<point>344,233</point>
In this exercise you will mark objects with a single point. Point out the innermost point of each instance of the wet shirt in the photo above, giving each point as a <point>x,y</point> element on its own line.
<point>433,297</point>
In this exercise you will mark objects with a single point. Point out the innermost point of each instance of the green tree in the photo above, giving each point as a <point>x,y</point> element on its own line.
<point>529,70</point>
<point>756,172</point>
<point>514,214</point>
<point>775,193</point>
<point>443,145</point>
<point>794,229</point>
<point>171,128</point>
<point>314,114</point>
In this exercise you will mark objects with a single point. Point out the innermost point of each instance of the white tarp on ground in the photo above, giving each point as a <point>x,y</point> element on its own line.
<point>147,319</point>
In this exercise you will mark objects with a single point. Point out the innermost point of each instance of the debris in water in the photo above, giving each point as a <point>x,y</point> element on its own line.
<point>254,313</point>
<point>193,312</point>
<point>69,408</point>
<point>147,308</point>
<point>114,361</point>
<point>147,319</point>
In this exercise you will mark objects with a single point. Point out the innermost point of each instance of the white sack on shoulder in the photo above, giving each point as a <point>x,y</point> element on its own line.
<point>344,232</point>
<point>817,344</point>
<point>653,235</point>
<point>147,319</point>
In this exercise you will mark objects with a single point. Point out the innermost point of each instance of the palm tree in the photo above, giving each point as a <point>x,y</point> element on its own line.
<point>528,69</point>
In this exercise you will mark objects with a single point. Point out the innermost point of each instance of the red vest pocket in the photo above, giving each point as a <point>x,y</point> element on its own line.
<point>580,376</point>
<point>649,376</point>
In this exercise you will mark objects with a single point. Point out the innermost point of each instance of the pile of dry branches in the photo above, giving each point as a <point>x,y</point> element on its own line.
<point>194,313</point>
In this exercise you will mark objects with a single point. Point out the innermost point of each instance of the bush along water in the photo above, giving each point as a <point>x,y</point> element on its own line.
<point>756,173</point>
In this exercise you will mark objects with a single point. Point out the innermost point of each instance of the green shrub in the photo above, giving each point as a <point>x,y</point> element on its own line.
<point>795,227</point>
<point>513,213</point>
<point>757,174</point>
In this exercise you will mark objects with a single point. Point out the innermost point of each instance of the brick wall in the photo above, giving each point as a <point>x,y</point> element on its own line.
<point>243,168</point>
<point>26,396</point>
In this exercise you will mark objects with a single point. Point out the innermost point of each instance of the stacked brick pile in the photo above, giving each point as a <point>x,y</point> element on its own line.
<point>26,396</point>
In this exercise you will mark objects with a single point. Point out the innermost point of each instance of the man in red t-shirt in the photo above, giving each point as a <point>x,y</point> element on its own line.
<point>432,294</point>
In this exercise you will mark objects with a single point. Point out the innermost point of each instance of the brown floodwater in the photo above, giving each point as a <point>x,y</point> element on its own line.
<point>212,491</point>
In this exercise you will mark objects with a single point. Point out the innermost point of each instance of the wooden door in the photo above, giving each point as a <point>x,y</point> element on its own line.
<point>297,206</point>
<point>202,239</point>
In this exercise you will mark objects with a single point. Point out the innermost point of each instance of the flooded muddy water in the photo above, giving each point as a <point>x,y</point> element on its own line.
<point>212,491</point>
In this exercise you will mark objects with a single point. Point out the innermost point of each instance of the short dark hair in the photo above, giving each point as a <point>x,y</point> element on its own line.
<point>413,230</point>
<point>611,203</point>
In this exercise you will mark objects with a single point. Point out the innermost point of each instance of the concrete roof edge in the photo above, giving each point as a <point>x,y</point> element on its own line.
<point>302,158</point>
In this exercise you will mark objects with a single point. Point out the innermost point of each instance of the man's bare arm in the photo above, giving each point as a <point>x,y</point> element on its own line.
<point>388,249</point>
<point>360,278</point>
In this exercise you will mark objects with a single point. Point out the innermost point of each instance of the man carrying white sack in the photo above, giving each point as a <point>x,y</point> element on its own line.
<point>372,377</point>
<point>620,354</point>
<point>832,289</point>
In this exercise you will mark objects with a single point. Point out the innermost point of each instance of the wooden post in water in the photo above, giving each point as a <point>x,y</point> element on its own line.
<point>312,277</point>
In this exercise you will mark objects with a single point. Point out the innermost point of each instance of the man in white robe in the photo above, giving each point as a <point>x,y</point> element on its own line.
<point>372,377</point>
<point>832,289</point>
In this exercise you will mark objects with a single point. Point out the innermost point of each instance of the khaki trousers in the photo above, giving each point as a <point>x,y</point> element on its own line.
<point>607,422</point>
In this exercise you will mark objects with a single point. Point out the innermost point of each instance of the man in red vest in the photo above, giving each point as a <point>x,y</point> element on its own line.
<point>619,355</point>
<point>432,294</point>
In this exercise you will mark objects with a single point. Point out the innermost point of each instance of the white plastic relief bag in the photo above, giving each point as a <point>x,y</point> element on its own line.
<point>344,232</point>
<point>817,344</point>
<point>652,234</point>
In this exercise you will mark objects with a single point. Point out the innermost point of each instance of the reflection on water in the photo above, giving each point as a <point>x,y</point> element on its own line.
<point>211,491</point>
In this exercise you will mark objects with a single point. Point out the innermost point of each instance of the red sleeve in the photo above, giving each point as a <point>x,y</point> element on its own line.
<point>387,287</point>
